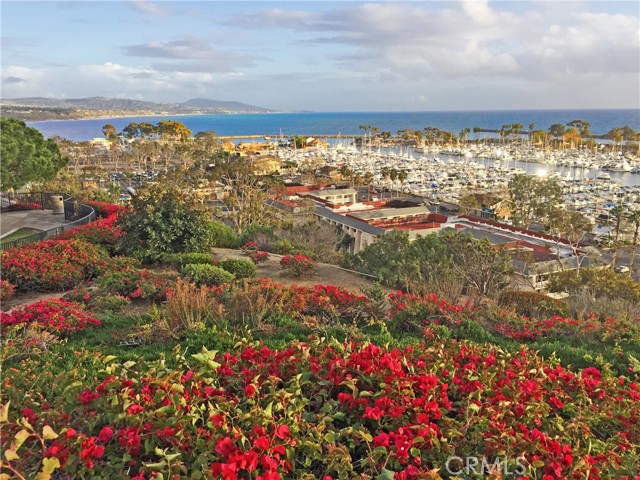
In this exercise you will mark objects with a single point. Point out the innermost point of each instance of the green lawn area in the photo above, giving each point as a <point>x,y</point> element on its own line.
<point>20,233</point>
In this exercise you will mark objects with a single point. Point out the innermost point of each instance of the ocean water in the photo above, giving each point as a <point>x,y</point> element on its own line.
<point>348,123</point>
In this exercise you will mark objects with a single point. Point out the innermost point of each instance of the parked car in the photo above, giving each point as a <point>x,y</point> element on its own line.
<point>622,269</point>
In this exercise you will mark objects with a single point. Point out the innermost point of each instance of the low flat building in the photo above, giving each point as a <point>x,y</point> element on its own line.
<point>334,196</point>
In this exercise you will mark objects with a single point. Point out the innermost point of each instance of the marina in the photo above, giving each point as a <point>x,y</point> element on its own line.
<point>593,182</point>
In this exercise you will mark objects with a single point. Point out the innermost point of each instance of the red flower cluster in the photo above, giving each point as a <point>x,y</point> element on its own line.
<point>25,206</point>
<point>128,281</point>
<point>6,289</point>
<point>429,309</point>
<point>251,246</point>
<point>252,249</point>
<point>57,316</point>
<point>103,231</point>
<point>299,264</point>
<point>323,409</point>
<point>52,265</point>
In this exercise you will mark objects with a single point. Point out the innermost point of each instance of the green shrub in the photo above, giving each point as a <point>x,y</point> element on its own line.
<point>223,235</point>
<point>283,247</point>
<point>111,303</point>
<point>256,231</point>
<point>239,267</point>
<point>533,304</point>
<point>202,274</point>
<point>182,259</point>
<point>163,221</point>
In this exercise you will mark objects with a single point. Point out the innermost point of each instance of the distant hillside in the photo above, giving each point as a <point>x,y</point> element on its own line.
<point>222,105</point>
<point>41,108</point>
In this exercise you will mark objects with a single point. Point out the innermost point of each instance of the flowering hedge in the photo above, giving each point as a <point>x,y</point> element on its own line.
<point>252,249</point>
<point>103,231</point>
<point>24,206</point>
<point>56,316</point>
<point>326,410</point>
<point>52,265</point>
<point>414,311</point>
<point>6,289</point>
<point>262,299</point>
<point>300,265</point>
<point>131,282</point>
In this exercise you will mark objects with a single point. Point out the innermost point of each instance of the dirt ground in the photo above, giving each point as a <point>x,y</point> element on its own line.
<point>27,298</point>
<point>326,274</point>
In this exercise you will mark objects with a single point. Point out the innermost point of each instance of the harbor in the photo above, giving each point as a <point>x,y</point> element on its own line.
<point>593,182</point>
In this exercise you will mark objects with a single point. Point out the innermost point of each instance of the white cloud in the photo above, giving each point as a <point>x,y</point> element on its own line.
<point>109,79</point>
<point>149,8</point>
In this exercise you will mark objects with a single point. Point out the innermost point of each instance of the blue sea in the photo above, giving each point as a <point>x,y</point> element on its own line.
<point>327,123</point>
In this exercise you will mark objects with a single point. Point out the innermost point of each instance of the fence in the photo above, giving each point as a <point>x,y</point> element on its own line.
<point>10,202</point>
<point>77,213</point>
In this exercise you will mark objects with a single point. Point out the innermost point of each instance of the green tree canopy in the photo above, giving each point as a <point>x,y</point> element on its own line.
<point>533,199</point>
<point>162,222</point>
<point>25,155</point>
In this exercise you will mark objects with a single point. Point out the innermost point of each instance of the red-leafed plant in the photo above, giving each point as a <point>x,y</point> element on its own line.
<point>56,316</point>
<point>300,265</point>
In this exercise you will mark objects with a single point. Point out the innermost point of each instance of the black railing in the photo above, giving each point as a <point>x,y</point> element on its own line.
<point>10,202</point>
<point>78,213</point>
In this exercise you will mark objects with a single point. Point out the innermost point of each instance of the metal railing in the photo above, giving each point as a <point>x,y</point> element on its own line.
<point>78,213</point>
<point>10,202</point>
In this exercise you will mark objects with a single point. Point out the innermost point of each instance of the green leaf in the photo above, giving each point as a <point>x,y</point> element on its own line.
<point>538,464</point>
<point>4,412</point>
<point>155,467</point>
<point>385,475</point>
<point>268,410</point>
<point>48,433</point>
<point>11,454</point>
<point>50,464</point>
<point>20,437</point>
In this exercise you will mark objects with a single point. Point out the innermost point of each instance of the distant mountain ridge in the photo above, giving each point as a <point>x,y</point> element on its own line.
<point>42,108</point>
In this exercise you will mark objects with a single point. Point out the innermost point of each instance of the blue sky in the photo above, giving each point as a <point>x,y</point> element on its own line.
<point>328,56</point>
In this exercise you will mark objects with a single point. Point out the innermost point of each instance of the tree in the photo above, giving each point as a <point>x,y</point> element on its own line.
<point>467,203</point>
<point>387,258</point>
<point>583,127</point>
<point>572,136</point>
<point>634,219</point>
<point>571,226</point>
<point>485,268</point>
<point>163,221</point>
<point>247,201</point>
<point>170,129</point>
<point>25,156</point>
<point>617,135</point>
<point>540,137</point>
<point>109,131</point>
<point>618,213</point>
<point>533,199</point>
<point>131,131</point>
<point>556,130</point>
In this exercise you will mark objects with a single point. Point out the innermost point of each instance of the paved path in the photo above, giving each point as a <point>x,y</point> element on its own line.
<point>40,219</point>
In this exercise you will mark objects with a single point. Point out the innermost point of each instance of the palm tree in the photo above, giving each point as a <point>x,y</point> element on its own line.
<point>393,176</point>
<point>367,178</point>
<point>402,176</point>
<point>385,172</point>
<point>634,218</point>
<point>617,135</point>
<point>617,212</point>
<point>557,130</point>
<point>344,172</point>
